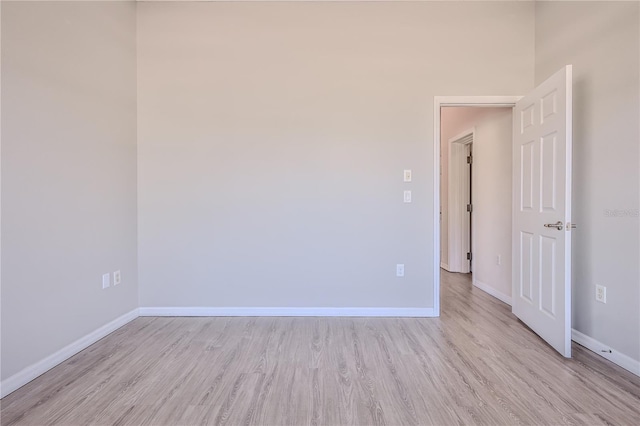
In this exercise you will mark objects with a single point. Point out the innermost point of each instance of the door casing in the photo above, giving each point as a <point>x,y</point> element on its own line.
<point>459,194</point>
<point>452,101</point>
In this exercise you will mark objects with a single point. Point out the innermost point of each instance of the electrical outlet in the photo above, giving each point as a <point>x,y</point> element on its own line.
<point>601,293</point>
<point>400,270</point>
<point>106,281</point>
<point>407,196</point>
<point>117,278</point>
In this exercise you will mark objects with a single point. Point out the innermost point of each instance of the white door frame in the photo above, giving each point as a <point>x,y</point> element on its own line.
<point>459,192</point>
<point>449,101</point>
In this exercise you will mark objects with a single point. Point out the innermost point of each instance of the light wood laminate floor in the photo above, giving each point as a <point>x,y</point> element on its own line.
<point>476,364</point>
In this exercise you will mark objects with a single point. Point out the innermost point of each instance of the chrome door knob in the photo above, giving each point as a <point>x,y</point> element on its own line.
<point>558,225</point>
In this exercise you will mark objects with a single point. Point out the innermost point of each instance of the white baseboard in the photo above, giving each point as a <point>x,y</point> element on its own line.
<point>283,312</point>
<point>492,291</point>
<point>617,358</point>
<point>29,373</point>
<point>444,266</point>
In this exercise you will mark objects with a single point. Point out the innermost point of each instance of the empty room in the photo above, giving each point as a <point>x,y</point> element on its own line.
<point>319,212</point>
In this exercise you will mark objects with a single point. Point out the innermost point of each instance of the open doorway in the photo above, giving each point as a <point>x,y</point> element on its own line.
<point>456,204</point>
<point>476,195</point>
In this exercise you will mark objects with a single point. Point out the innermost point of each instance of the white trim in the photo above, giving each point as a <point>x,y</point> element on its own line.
<point>462,135</point>
<point>492,291</point>
<point>459,191</point>
<point>439,102</point>
<point>444,266</point>
<point>436,205</point>
<point>203,311</point>
<point>29,373</point>
<point>597,347</point>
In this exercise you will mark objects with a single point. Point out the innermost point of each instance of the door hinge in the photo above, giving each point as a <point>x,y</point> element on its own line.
<point>470,159</point>
<point>469,208</point>
<point>469,256</point>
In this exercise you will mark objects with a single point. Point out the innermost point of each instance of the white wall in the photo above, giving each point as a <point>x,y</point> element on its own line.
<point>492,203</point>
<point>601,40</point>
<point>272,139</point>
<point>491,192</point>
<point>68,174</point>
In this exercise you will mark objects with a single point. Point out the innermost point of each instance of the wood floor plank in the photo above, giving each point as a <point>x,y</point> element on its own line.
<point>476,364</point>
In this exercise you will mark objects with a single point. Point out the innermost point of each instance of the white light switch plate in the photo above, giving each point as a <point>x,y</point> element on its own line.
<point>407,175</point>
<point>407,196</point>
<point>117,278</point>
<point>106,281</point>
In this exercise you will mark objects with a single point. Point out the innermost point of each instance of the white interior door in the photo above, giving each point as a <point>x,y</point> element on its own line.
<point>459,230</point>
<point>542,210</point>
